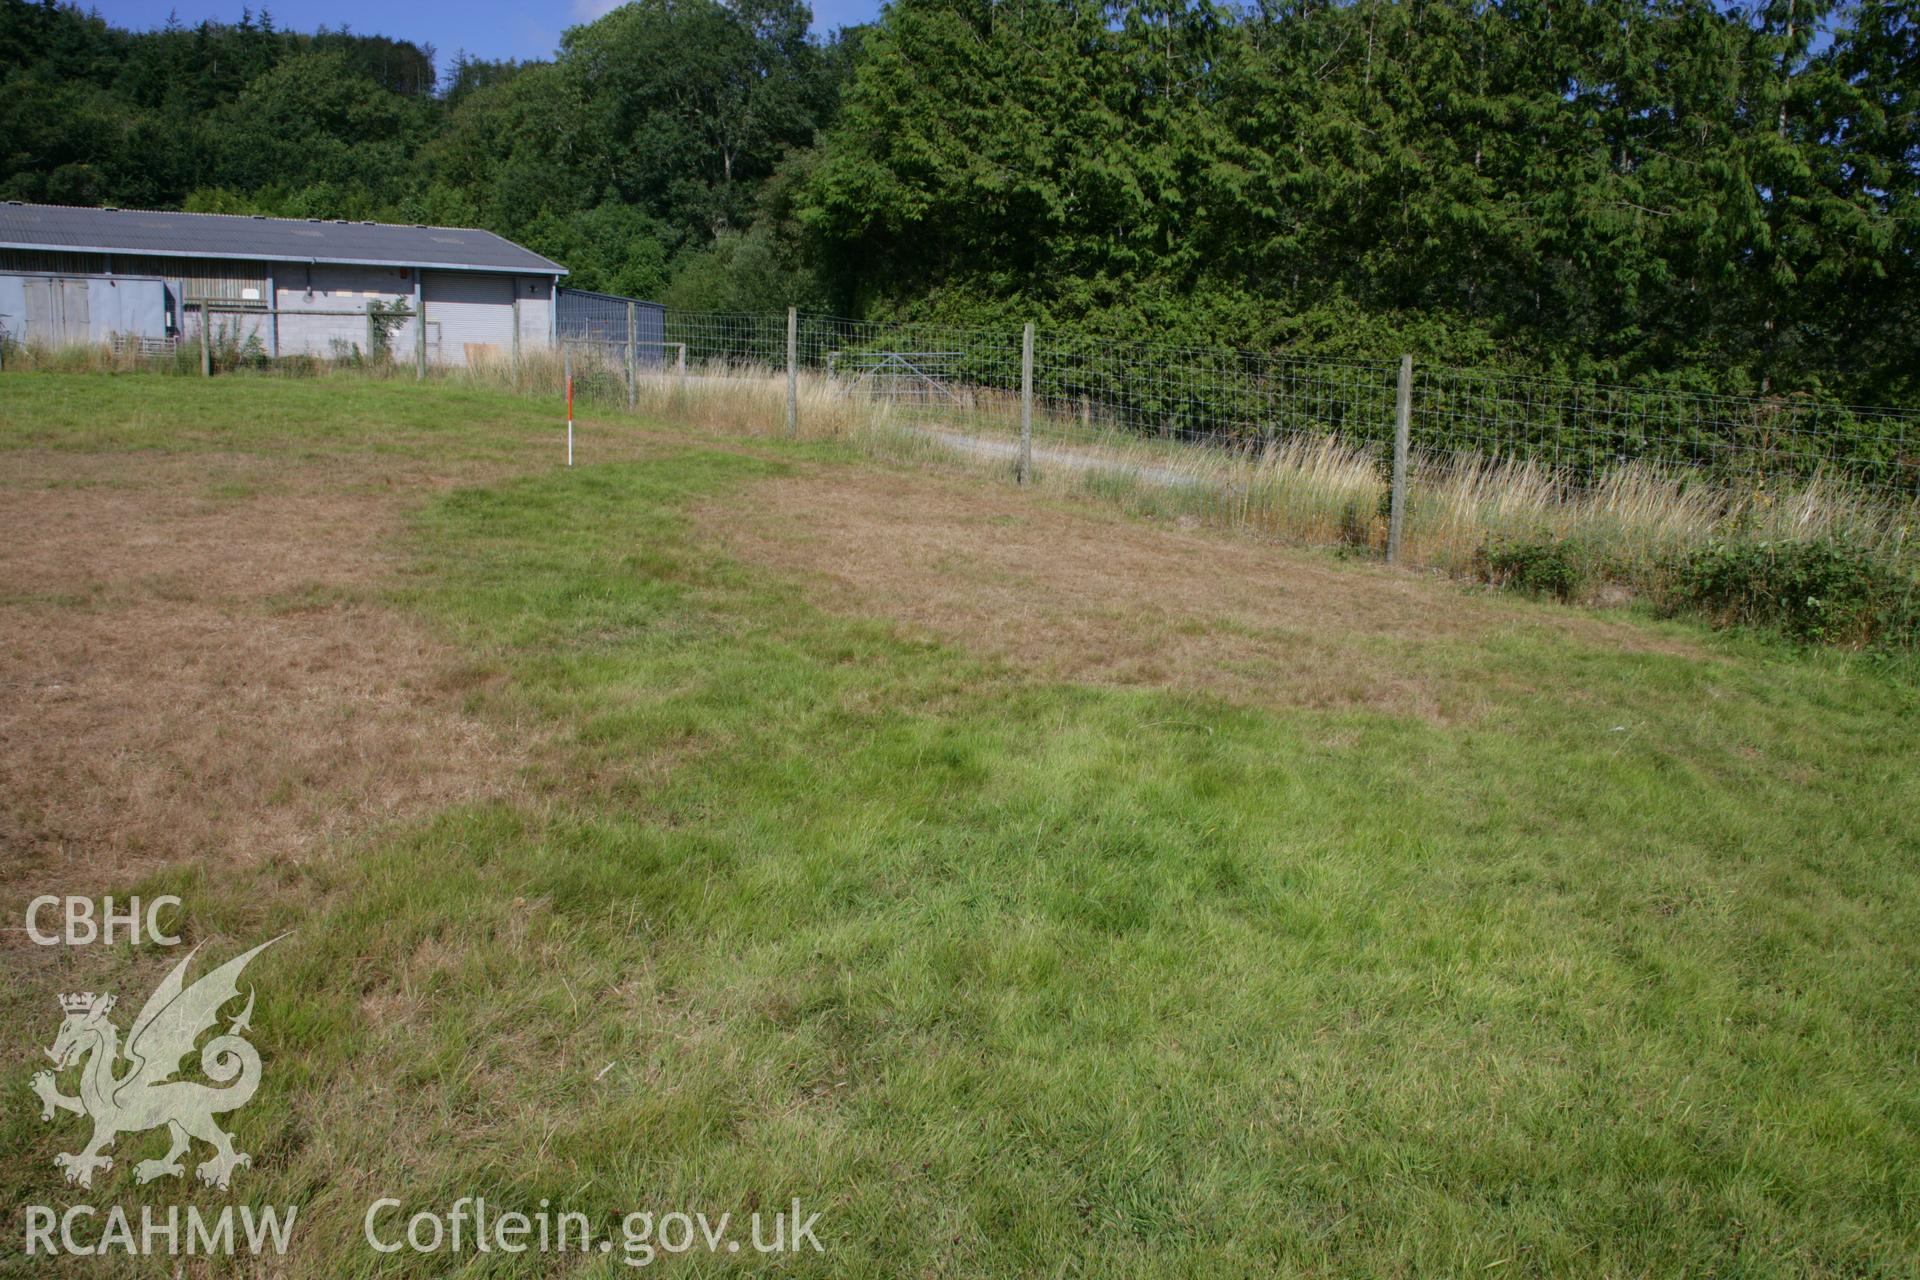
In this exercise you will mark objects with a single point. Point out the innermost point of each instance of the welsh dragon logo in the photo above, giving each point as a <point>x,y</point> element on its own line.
<point>144,1096</point>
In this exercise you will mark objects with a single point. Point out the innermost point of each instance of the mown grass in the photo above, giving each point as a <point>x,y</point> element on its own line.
<point>1009,977</point>
<point>292,420</point>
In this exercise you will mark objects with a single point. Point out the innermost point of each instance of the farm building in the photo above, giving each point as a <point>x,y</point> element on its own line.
<point>298,286</point>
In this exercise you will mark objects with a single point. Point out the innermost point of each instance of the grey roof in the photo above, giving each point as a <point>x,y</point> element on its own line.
<point>226,235</point>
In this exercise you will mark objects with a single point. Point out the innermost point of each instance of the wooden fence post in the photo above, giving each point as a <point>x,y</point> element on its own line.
<point>1402,433</point>
<point>633,392</point>
<point>419,327</point>
<point>273,315</point>
<point>206,339</point>
<point>793,373</point>
<point>1026,404</point>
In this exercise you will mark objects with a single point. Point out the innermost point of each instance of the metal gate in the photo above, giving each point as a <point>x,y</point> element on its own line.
<point>902,377</point>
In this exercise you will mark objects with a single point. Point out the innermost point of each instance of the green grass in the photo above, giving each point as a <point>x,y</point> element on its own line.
<point>1008,977</point>
<point>289,420</point>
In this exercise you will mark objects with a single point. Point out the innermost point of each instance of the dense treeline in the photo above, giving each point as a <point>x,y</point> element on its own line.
<point>1616,188</point>
<point>1625,189</point>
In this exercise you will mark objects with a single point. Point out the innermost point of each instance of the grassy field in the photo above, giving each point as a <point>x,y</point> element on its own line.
<point>720,823</point>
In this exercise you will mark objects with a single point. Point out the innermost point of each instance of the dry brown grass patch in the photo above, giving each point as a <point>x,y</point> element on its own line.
<point>193,668</point>
<point>1083,595</point>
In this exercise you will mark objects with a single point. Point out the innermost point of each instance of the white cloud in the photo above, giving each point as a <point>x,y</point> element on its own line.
<point>589,10</point>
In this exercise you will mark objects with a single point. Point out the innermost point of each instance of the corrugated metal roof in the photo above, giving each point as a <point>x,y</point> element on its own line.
<point>225,235</point>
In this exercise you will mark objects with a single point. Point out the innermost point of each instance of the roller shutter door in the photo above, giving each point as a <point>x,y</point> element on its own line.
<point>469,317</point>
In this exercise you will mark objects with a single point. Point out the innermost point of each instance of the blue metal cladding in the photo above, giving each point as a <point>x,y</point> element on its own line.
<point>56,311</point>
<point>601,319</point>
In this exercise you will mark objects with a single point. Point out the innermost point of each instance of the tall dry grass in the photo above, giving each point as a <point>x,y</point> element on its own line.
<point>94,358</point>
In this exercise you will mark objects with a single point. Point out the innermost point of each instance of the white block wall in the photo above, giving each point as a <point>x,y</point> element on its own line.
<point>536,311</point>
<point>335,288</point>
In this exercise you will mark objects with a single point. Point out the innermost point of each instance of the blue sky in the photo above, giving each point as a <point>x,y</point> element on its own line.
<point>486,28</point>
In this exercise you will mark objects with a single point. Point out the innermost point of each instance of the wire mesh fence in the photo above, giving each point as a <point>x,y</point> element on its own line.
<point>1582,430</point>
<point>1091,390</point>
<point>1301,449</point>
<point>1304,450</point>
